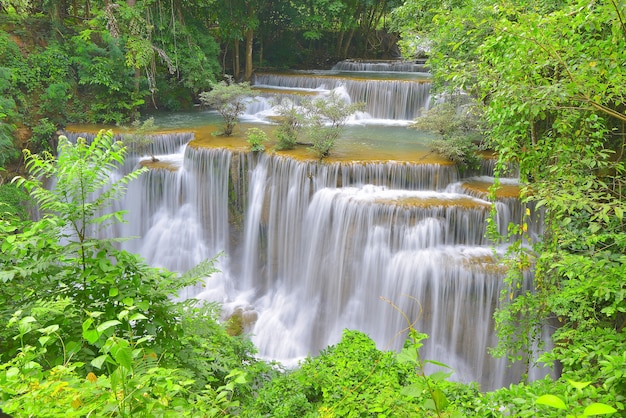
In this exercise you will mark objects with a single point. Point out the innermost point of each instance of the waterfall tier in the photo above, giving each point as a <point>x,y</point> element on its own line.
<point>389,99</point>
<point>381,66</point>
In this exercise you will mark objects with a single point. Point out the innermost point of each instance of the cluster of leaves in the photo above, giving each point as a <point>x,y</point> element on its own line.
<point>354,378</point>
<point>230,100</point>
<point>459,126</point>
<point>325,119</point>
<point>256,138</point>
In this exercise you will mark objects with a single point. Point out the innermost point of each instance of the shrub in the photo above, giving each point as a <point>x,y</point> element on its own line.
<point>230,100</point>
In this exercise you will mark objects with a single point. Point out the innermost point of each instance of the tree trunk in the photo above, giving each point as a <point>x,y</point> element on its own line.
<point>236,66</point>
<point>346,45</point>
<point>249,43</point>
<point>339,45</point>
<point>249,65</point>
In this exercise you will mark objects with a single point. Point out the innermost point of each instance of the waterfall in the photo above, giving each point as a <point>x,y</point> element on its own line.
<point>330,259</point>
<point>392,99</point>
<point>382,66</point>
<point>311,248</point>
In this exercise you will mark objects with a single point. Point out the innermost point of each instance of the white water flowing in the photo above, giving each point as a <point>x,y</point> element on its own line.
<point>387,99</point>
<point>382,66</point>
<point>312,249</point>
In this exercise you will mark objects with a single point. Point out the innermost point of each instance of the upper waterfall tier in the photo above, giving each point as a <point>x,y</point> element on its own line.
<point>381,66</point>
<point>386,97</point>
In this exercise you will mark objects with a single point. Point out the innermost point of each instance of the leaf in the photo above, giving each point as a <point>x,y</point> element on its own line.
<point>114,291</point>
<point>49,330</point>
<point>440,399</point>
<point>407,355</point>
<point>99,361</point>
<point>437,363</point>
<point>137,316</point>
<point>578,385</point>
<point>598,409</point>
<point>551,400</point>
<point>440,376</point>
<point>412,391</point>
<point>91,335</point>
<point>123,356</point>
<point>107,324</point>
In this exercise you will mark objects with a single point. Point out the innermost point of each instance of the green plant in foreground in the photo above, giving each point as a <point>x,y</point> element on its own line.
<point>592,409</point>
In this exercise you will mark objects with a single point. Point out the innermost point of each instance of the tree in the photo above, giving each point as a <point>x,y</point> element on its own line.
<point>290,123</point>
<point>230,100</point>
<point>325,118</point>
<point>458,125</point>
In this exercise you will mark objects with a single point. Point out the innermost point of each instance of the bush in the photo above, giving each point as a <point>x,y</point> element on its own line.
<point>230,100</point>
<point>256,137</point>
<point>324,120</point>
<point>458,125</point>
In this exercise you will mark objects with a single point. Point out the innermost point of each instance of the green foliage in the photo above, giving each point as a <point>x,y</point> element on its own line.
<point>230,100</point>
<point>459,127</point>
<point>548,398</point>
<point>290,123</point>
<point>354,378</point>
<point>325,118</point>
<point>14,203</point>
<point>256,137</point>
<point>8,111</point>
<point>42,136</point>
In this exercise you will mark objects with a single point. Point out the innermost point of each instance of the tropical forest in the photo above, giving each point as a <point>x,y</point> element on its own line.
<point>312,208</point>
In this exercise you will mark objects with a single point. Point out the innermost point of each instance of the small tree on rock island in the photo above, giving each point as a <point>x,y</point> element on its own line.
<point>325,118</point>
<point>229,99</point>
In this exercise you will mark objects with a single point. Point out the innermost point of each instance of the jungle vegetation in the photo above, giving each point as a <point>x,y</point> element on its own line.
<point>88,329</point>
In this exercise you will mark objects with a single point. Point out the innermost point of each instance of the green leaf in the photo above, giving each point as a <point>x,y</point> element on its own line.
<point>107,324</point>
<point>598,409</point>
<point>123,356</point>
<point>91,335</point>
<point>114,291</point>
<point>99,361</point>
<point>551,400</point>
<point>440,399</point>
<point>578,385</point>
<point>137,316</point>
<point>437,363</point>
<point>412,391</point>
<point>407,355</point>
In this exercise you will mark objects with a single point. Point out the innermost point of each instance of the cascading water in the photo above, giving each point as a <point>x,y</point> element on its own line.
<point>313,248</point>
<point>384,66</point>
<point>398,96</point>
